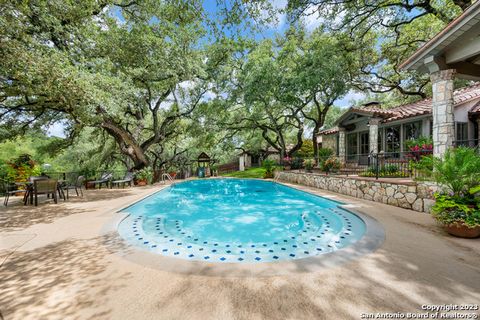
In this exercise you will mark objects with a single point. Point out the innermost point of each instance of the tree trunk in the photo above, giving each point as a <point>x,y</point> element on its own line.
<point>316,129</point>
<point>128,145</point>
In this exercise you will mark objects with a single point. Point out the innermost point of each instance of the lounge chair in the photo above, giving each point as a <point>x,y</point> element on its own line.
<point>104,179</point>
<point>77,186</point>
<point>11,189</point>
<point>127,179</point>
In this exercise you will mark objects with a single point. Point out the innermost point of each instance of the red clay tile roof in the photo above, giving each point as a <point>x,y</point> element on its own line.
<point>422,107</point>
<point>418,108</point>
<point>328,131</point>
<point>375,111</point>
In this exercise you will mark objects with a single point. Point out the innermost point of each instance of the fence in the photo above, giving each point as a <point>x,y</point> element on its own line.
<point>383,164</point>
<point>228,167</point>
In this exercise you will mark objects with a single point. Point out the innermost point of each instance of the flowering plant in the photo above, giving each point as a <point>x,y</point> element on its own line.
<point>330,164</point>
<point>287,161</point>
<point>420,147</point>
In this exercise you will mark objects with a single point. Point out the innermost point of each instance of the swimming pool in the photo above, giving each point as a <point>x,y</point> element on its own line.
<point>238,220</point>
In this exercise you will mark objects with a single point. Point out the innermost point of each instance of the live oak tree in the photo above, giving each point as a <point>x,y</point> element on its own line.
<point>132,68</point>
<point>397,27</point>
<point>256,99</point>
<point>324,65</point>
<point>281,87</point>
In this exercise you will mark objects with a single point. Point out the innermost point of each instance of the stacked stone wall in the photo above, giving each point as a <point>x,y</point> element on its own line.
<point>416,196</point>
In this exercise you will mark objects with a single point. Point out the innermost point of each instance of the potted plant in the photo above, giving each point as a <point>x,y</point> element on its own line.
<point>142,177</point>
<point>308,164</point>
<point>287,163</point>
<point>457,207</point>
<point>269,166</point>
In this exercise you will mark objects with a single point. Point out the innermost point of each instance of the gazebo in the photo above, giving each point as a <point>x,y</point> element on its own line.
<point>203,165</point>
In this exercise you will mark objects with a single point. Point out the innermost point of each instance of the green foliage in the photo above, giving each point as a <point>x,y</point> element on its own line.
<point>324,154</point>
<point>144,174</point>
<point>420,141</point>
<point>423,168</point>
<point>456,210</point>
<point>306,151</point>
<point>458,170</point>
<point>308,164</point>
<point>19,169</point>
<point>297,163</point>
<point>330,164</point>
<point>254,173</point>
<point>269,166</point>
<point>386,171</point>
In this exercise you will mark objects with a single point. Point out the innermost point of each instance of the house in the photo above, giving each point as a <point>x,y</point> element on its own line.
<point>248,159</point>
<point>368,129</point>
<point>453,52</point>
<point>451,117</point>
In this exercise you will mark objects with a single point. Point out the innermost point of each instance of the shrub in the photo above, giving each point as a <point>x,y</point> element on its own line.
<point>297,163</point>
<point>423,167</point>
<point>331,164</point>
<point>324,154</point>
<point>308,163</point>
<point>287,161</point>
<point>269,166</point>
<point>21,168</point>
<point>306,150</point>
<point>458,170</point>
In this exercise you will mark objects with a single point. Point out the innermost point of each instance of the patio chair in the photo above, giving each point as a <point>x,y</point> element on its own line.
<point>127,179</point>
<point>45,186</point>
<point>104,179</point>
<point>77,186</point>
<point>11,189</point>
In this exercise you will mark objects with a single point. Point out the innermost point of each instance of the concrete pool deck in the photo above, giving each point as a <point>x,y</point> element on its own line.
<point>64,262</point>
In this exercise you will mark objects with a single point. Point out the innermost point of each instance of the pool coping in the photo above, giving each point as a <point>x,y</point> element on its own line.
<point>372,239</point>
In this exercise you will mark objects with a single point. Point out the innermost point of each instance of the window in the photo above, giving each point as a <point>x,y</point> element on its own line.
<point>392,140</point>
<point>411,131</point>
<point>364,143</point>
<point>352,144</point>
<point>461,133</point>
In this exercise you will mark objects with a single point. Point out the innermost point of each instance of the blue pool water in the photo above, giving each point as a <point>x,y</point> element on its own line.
<point>238,220</point>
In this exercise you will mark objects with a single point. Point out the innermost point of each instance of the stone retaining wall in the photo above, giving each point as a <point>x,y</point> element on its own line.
<point>416,196</point>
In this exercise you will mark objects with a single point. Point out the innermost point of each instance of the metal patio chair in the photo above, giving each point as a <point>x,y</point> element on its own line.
<point>77,186</point>
<point>12,189</point>
<point>45,186</point>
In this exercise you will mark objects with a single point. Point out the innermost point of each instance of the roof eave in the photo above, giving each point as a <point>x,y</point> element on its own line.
<point>414,62</point>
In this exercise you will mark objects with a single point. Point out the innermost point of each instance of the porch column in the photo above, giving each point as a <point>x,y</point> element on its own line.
<point>373,135</point>
<point>442,111</point>
<point>341,144</point>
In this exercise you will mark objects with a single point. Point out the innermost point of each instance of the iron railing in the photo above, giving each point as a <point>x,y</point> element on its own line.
<point>382,164</point>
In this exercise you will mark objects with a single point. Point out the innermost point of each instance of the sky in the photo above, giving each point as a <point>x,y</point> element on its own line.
<point>311,21</point>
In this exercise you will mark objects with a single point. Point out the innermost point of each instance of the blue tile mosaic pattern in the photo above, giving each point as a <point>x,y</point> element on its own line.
<point>239,221</point>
